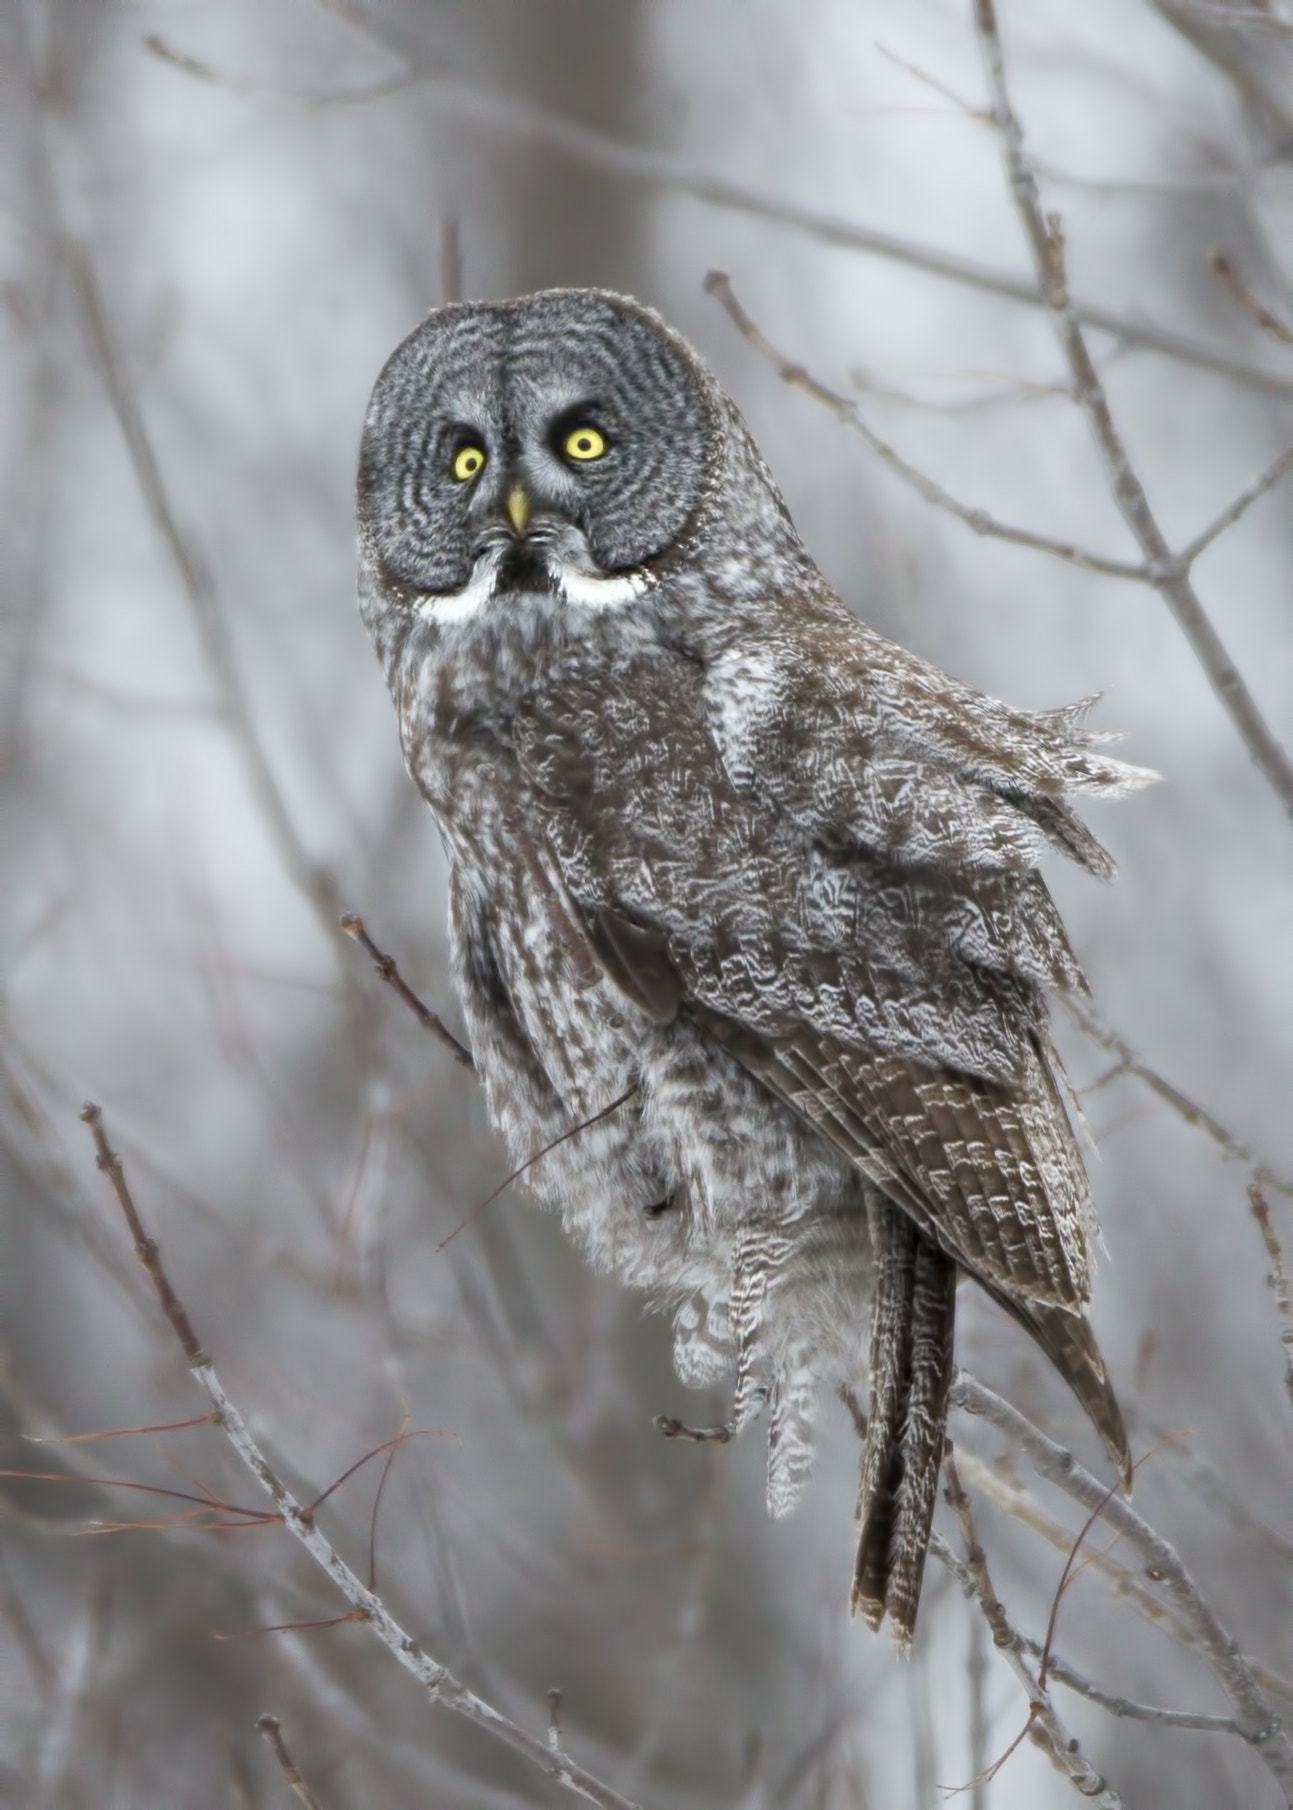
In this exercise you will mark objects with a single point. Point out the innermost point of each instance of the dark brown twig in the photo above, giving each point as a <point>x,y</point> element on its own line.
<point>146,1248</point>
<point>272,1729</point>
<point>353,925</point>
<point>583,1125</point>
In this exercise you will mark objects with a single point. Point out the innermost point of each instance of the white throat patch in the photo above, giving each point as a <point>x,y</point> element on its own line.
<point>580,590</point>
<point>592,591</point>
<point>460,606</point>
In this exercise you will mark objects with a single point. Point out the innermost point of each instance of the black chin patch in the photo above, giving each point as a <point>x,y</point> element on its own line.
<point>524,568</point>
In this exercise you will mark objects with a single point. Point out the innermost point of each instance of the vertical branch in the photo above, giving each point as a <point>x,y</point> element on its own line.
<point>1279,1278</point>
<point>311,879</point>
<point>1169,572</point>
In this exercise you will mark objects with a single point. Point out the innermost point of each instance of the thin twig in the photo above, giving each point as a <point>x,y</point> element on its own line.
<point>313,881</point>
<point>440,1684</point>
<point>272,1729</point>
<point>1255,1720</point>
<point>535,126</point>
<point>1186,1108</point>
<point>1043,1725</point>
<point>1268,321</point>
<point>564,1137</point>
<point>1068,1675</point>
<point>145,1248</point>
<point>1279,1278</point>
<point>1264,481</point>
<point>1023,1507</point>
<point>719,284</point>
<point>353,925</point>
<point>1170,576</point>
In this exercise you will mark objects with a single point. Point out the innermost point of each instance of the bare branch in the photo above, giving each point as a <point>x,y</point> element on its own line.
<point>1169,574</point>
<point>314,881</point>
<point>272,1729</point>
<point>1255,1720</point>
<point>1186,1108</point>
<point>1279,1279</point>
<point>440,1684</point>
<point>1043,1725</point>
<point>1126,1706</point>
<point>531,125</point>
<point>353,925</point>
<point>1268,321</point>
<point>846,410</point>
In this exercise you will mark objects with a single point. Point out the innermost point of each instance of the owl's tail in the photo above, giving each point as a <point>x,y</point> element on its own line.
<point>912,1318</point>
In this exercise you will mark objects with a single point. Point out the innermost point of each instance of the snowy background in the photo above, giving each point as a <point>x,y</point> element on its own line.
<point>217,218</point>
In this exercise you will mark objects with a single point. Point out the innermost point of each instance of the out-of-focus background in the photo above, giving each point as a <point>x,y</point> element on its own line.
<point>216,220</point>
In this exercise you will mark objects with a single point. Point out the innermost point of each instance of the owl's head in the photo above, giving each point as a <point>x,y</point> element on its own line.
<point>560,443</point>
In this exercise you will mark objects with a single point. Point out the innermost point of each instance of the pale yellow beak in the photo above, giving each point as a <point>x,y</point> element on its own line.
<point>518,508</point>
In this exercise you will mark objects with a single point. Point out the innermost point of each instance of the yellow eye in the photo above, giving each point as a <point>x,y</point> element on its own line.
<point>584,443</point>
<point>468,462</point>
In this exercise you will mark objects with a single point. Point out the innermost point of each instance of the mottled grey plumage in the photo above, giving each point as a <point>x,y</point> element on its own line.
<point>720,847</point>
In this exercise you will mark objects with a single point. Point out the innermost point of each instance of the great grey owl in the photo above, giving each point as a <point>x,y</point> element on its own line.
<point>724,855</point>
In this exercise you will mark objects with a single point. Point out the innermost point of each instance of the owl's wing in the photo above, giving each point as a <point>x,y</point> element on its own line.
<point>866,745</point>
<point>901,1017</point>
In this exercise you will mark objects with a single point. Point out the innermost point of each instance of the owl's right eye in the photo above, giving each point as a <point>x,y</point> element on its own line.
<point>468,463</point>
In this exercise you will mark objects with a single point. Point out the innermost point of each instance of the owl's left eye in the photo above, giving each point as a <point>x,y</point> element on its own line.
<point>584,442</point>
<point>468,462</point>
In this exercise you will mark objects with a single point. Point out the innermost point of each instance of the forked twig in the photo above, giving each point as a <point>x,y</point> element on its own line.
<point>1255,1720</point>
<point>1043,1725</point>
<point>440,1684</point>
<point>979,521</point>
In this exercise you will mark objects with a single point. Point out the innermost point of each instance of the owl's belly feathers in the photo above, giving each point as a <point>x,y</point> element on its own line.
<point>671,1165</point>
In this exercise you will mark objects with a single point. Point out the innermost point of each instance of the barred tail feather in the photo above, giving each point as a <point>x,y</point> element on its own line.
<point>912,1321</point>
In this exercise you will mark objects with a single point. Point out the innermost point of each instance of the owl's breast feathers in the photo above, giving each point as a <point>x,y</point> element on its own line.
<point>833,873</point>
